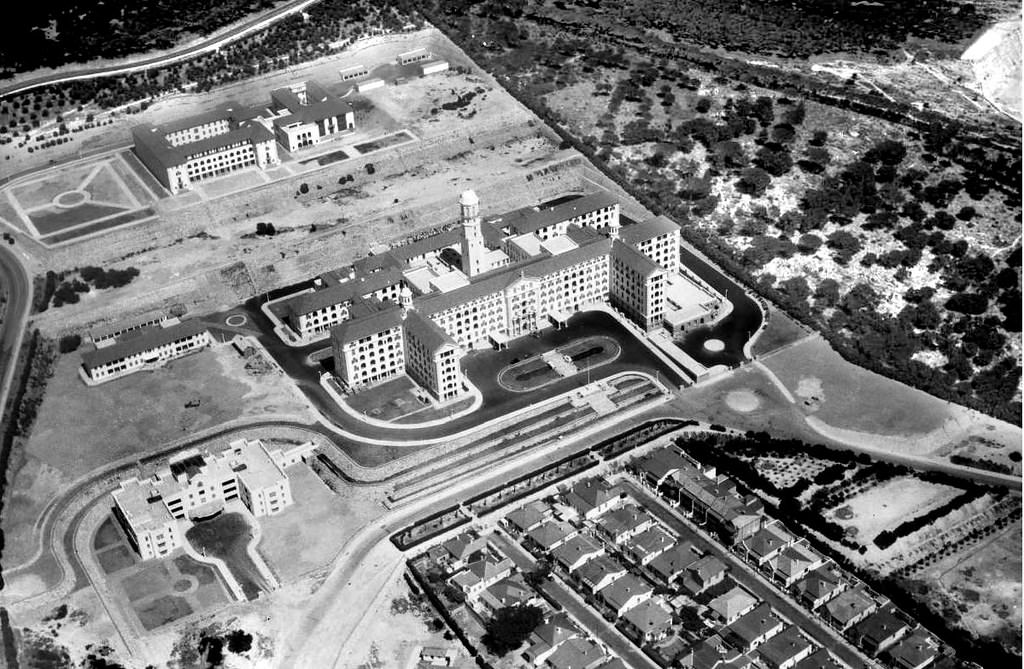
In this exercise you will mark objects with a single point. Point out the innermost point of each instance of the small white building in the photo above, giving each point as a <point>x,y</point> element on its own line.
<point>145,347</point>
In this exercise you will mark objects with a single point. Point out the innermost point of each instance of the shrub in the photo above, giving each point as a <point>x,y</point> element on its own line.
<point>69,343</point>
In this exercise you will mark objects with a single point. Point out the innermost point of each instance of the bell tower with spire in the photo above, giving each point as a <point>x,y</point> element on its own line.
<point>473,249</point>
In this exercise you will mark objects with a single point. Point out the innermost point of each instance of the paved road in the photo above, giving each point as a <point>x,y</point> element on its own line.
<point>743,575</point>
<point>591,620</point>
<point>15,282</point>
<point>208,44</point>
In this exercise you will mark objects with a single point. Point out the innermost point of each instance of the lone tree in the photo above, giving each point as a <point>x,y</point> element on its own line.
<point>510,627</point>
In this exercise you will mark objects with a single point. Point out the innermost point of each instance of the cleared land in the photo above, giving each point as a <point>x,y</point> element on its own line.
<point>885,506</point>
<point>80,428</point>
<point>309,534</point>
<point>981,589</point>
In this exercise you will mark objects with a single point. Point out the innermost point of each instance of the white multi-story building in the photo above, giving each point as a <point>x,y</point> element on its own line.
<point>233,137</point>
<point>202,147</point>
<point>145,347</point>
<point>197,485</point>
<point>495,280</point>
<point>305,115</point>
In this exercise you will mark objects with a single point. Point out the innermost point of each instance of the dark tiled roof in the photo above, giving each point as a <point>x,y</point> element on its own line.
<point>635,260</point>
<point>441,240</point>
<point>154,138</point>
<point>140,341</point>
<point>319,105</point>
<point>784,646</point>
<point>755,623</point>
<point>340,293</point>
<point>879,626</point>
<point>649,229</point>
<point>820,659</point>
<point>353,330</point>
<point>427,332</point>
<point>527,220</point>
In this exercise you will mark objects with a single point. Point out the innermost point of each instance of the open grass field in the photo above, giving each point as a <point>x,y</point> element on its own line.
<point>849,397</point>
<point>81,428</point>
<point>885,506</point>
<point>780,331</point>
<point>310,533</point>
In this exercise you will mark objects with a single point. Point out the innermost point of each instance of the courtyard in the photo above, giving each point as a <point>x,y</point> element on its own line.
<point>156,592</point>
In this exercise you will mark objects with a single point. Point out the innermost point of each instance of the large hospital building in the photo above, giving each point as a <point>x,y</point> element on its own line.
<point>197,485</point>
<point>234,137</point>
<point>418,308</point>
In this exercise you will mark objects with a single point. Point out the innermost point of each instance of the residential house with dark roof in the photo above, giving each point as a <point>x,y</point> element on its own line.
<point>766,544</point>
<point>599,573</point>
<point>648,622</point>
<point>733,605</point>
<point>878,631</point>
<point>546,639</point>
<point>711,653</point>
<point>625,593</point>
<point>849,608</point>
<point>576,552</point>
<point>672,563</point>
<point>753,629</point>
<point>590,498</point>
<point>704,573</point>
<point>785,649</point>
<point>549,535</point>
<point>819,586</point>
<point>793,563</point>
<point>649,544</point>
<point>480,575</point>
<point>509,591</point>
<point>577,653</point>
<point>915,651</point>
<point>527,517</point>
<point>460,549</point>
<point>623,523</point>
<point>655,467</point>
<point>820,659</point>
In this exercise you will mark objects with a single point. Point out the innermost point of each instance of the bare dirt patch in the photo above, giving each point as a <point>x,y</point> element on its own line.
<point>744,401</point>
<point>885,506</point>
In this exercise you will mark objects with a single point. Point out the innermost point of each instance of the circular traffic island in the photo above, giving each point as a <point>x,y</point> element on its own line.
<point>714,345</point>
<point>71,198</point>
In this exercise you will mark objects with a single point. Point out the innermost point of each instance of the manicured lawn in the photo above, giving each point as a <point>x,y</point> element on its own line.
<point>387,401</point>
<point>106,535</point>
<point>52,219</point>
<point>163,610</point>
<point>849,397</point>
<point>116,558</point>
<point>780,331</point>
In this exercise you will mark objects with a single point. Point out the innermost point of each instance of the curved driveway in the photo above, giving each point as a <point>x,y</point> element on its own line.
<point>205,45</point>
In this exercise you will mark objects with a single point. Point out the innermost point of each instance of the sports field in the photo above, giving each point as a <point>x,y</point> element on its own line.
<point>64,203</point>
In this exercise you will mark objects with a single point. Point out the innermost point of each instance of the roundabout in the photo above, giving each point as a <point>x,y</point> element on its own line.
<point>236,320</point>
